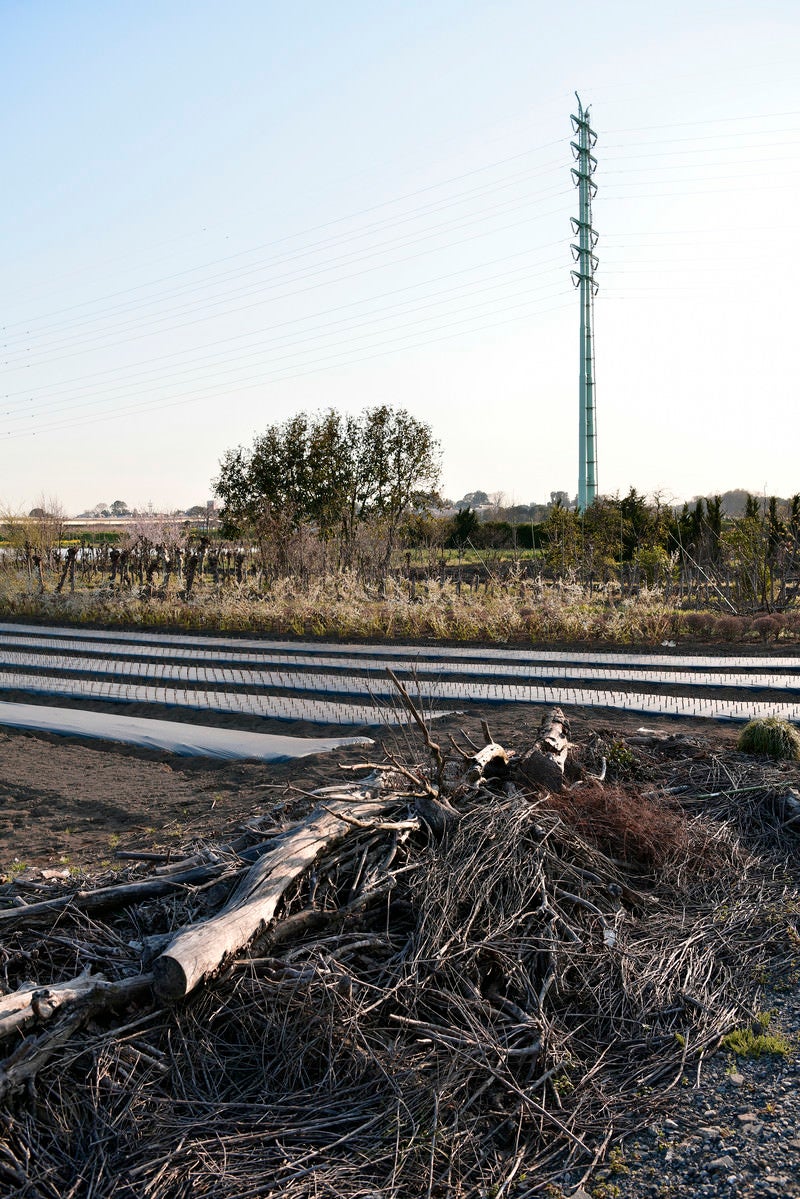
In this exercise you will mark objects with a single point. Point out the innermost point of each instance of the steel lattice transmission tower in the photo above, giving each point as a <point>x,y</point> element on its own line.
<point>583,278</point>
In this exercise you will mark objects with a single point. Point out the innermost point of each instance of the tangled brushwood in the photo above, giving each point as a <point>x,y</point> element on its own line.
<point>465,974</point>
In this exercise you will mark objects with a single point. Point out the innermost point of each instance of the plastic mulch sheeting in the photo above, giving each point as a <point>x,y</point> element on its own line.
<point>174,736</point>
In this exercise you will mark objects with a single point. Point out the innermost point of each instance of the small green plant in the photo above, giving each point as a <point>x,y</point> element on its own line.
<point>605,1190</point>
<point>772,737</point>
<point>755,1041</point>
<point>616,1162</point>
<point>563,1084</point>
<point>621,756</point>
<point>113,840</point>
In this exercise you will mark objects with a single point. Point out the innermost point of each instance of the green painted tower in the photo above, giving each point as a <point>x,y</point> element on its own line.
<point>583,278</point>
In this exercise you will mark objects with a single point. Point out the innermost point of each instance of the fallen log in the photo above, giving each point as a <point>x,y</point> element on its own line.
<point>36,1051</point>
<point>30,1003</point>
<point>493,761</point>
<point>201,949</point>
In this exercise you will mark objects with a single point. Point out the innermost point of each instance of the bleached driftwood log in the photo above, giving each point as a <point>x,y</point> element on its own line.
<point>31,1003</point>
<point>200,949</point>
<point>79,999</point>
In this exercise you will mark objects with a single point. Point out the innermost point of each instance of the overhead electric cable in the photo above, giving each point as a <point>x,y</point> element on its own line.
<point>241,272</point>
<point>199,363</point>
<point>310,287</point>
<point>260,381</point>
<point>326,267</point>
<point>765,116</point>
<point>238,337</point>
<point>323,225</point>
<point>25,412</point>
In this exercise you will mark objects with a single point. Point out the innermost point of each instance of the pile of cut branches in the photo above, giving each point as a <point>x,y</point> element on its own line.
<point>467,973</point>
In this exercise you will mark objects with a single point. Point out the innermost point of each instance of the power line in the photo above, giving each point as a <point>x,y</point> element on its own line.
<point>706,162</point>
<point>309,287</point>
<point>240,272</point>
<point>765,116</point>
<point>310,229</point>
<point>707,191</point>
<point>260,381</point>
<point>326,267</point>
<point>331,329</point>
<point>239,337</point>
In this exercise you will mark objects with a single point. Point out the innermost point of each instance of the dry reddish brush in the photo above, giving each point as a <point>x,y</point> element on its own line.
<point>729,628</point>
<point>767,627</point>
<point>644,829</point>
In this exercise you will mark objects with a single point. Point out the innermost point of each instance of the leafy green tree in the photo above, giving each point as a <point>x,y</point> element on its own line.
<point>562,530</point>
<point>686,534</point>
<point>602,537</point>
<point>747,544</point>
<point>713,529</point>
<point>333,470</point>
<point>473,499</point>
<point>752,508</point>
<point>638,526</point>
<point>464,527</point>
<point>776,529</point>
<point>654,562</point>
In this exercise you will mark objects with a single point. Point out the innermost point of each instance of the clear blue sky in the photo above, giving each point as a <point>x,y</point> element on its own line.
<point>216,215</point>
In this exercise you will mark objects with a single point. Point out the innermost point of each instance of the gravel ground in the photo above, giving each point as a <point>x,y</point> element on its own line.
<point>733,1132</point>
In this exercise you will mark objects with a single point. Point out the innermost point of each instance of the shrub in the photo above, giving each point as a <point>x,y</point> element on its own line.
<point>766,627</point>
<point>654,563</point>
<point>729,628</point>
<point>699,623</point>
<point>792,622</point>
<point>771,737</point>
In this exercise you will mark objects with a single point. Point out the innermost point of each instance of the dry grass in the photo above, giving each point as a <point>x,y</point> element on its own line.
<point>772,737</point>
<point>343,606</point>
<point>647,830</point>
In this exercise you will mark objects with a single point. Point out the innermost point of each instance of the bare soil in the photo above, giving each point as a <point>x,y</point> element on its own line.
<point>66,802</point>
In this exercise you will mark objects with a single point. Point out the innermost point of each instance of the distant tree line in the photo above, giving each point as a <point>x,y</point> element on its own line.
<point>350,490</point>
